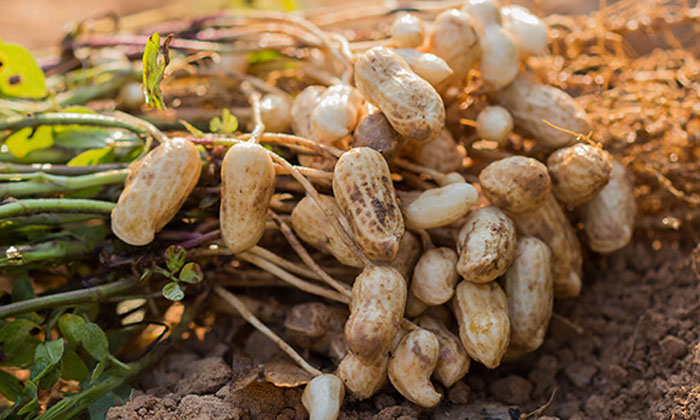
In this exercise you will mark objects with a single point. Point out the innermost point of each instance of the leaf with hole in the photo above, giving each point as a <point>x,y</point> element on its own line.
<point>15,334</point>
<point>175,257</point>
<point>27,140</point>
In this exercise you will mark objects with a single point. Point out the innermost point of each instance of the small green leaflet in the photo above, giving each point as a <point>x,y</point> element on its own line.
<point>27,140</point>
<point>172,291</point>
<point>93,157</point>
<point>74,369</point>
<point>155,59</point>
<point>191,273</point>
<point>20,76</point>
<point>175,258</point>
<point>227,124</point>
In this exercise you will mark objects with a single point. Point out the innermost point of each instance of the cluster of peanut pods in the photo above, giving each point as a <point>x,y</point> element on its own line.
<point>511,246</point>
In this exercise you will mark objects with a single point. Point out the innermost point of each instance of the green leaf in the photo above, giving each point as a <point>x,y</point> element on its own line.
<point>93,157</point>
<point>173,291</point>
<point>15,334</point>
<point>29,393</point>
<point>27,140</point>
<point>175,257</point>
<point>264,56</point>
<point>22,289</point>
<point>191,273</point>
<point>51,376</point>
<point>227,124</point>
<point>74,369</point>
<point>155,59</point>
<point>99,368</point>
<point>72,328</point>
<point>192,129</point>
<point>20,76</point>
<point>95,342</point>
<point>10,386</point>
<point>52,350</point>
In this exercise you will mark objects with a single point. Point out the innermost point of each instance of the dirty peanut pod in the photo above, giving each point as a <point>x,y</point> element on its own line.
<point>409,251</point>
<point>336,114</point>
<point>487,245</point>
<point>453,38</point>
<point>529,32</point>
<point>528,285</point>
<point>307,222</point>
<point>247,184</point>
<point>442,154</point>
<point>608,219</point>
<point>375,132</point>
<point>411,365</point>
<point>365,193</point>
<point>440,206</point>
<point>453,361</point>
<point>360,379</point>
<point>155,190</point>
<point>578,172</point>
<point>494,123</point>
<point>516,184</point>
<point>435,276</point>
<point>428,66</point>
<point>482,313</point>
<point>276,113</point>
<point>313,325</point>
<point>411,104</point>
<point>531,104</point>
<point>376,311</point>
<point>323,397</point>
<point>499,57</point>
<point>407,31</point>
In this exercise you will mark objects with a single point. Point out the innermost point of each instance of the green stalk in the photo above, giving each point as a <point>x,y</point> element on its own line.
<point>20,169</point>
<point>51,219</point>
<point>18,255</point>
<point>43,183</point>
<point>74,297</point>
<point>46,205</point>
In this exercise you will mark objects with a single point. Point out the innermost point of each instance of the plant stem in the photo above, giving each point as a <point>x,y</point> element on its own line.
<point>45,205</point>
<point>18,255</point>
<point>7,168</point>
<point>74,297</point>
<point>43,183</point>
<point>47,219</point>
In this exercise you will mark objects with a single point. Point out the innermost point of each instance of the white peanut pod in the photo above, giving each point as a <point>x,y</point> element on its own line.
<point>157,186</point>
<point>426,65</point>
<point>276,113</point>
<point>360,379</point>
<point>484,12</point>
<point>376,310</point>
<point>529,32</point>
<point>578,173</point>
<point>411,365</point>
<point>499,57</point>
<point>532,104</point>
<point>435,276</point>
<point>323,397</point>
<point>482,313</point>
<point>528,285</point>
<point>453,361</point>
<point>486,244</point>
<point>440,206</point>
<point>247,185</point>
<point>442,154</point>
<point>454,39</point>
<point>608,219</point>
<point>336,114</point>
<point>308,223</point>
<point>516,184</point>
<point>302,108</point>
<point>407,31</point>
<point>494,123</point>
<point>409,251</point>
<point>411,104</point>
<point>549,224</point>
<point>365,193</point>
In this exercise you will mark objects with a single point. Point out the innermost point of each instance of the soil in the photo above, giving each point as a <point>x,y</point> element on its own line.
<point>627,348</point>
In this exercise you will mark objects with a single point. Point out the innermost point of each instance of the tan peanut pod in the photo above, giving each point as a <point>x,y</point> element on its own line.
<point>499,57</point>
<point>411,104</point>
<point>516,184</point>
<point>529,32</point>
<point>376,310</point>
<point>302,108</point>
<point>608,219</point>
<point>487,245</point>
<point>435,276</point>
<point>578,173</point>
<point>336,114</point>
<point>528,285</point>
<point>157,186</point>
<point>365,193</point>
<point>313,325</point>
<point>426,65</point>
<point>482,313</point>
<point>531,104</point>
<point>360,379</point>
<point>453,361</point>
<point>247,185</point>
<point>549,224</point>
<point>411,365</point>
<point>441,206</point>
<point>276,113</point>
<point>442,154</point>
<point>407,31</point>
<point>308,223</point>
<point>323,397</point>
<point>454,39</point>
<point>484,12</point>
<point>409,251</point>
<point>375,132</point>
<point>414,306</point>
<point>494,123</point>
